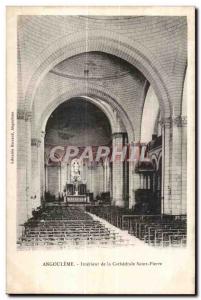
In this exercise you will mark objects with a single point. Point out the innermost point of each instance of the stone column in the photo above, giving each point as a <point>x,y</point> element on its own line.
<point>68,173</point>
<point>35,172</point>
<point>131,191</point>
<point>178,166</point>
<point>134,178</point>
<point>23,167</point>
<point>43,180</point>
<point>126,173</point>
<point>63,176</point>
<point>111,180</point>
<point>136,186</point>
<point>184,165</point>
<point>166,194</point>
<point>107,175</point>
<point>118,171</point>
<point>60,179</point>
<point>90,178</point>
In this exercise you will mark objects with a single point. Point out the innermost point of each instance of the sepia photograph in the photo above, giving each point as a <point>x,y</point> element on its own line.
<point>101,128</point>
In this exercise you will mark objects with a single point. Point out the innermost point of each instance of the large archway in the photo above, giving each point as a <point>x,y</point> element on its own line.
<point>110,106</point>
<point>107,42</point>
<point>81,124</point>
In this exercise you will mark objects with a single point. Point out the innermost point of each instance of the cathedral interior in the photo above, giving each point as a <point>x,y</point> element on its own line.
<point>94,81</point>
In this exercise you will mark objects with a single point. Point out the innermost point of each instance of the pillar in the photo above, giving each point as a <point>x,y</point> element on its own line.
<point>46,179</point>
<point>134,178</point>
<point>136,186</point>
<point>23,168</point>
<point>184,165</point>
<point>106,175</point>
<point>179,149</point>
<point>35,172</point>
<point>64,178</point>
<point>43,174</point>
<point>118,196</point>
<point>166,193</point>
<point>107,165</point>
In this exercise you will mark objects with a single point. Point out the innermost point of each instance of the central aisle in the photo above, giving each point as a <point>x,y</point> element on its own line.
<point>61,226</point>
<point>123,238</point>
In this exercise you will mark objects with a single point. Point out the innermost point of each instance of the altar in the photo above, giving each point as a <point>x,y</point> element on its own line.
<point>81,199</point>
<point>76,191</point>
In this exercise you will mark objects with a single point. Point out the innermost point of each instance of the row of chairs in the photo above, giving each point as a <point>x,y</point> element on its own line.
<point>59,213</point>
<point>74,226</point>
<point>166,231</point>
<point>155,230</point>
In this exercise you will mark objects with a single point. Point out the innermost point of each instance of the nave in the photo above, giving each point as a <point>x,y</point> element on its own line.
<point>102,126</point>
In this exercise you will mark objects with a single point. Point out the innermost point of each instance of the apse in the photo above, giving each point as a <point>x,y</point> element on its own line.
<point>78,123</point>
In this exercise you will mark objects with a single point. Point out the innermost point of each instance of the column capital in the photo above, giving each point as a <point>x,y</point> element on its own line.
<point>134,143</point>
<point>166,122</point>
<point>35,142</point>
<point>118,134</point>
<point>24,115</point>
<point>180,121</point>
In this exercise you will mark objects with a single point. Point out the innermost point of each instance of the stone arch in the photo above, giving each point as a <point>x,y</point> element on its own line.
<point>101,106</point>
<point>109,42</point>
<point>96,97</point>
<point>154,158</point>
<point>159,159</point>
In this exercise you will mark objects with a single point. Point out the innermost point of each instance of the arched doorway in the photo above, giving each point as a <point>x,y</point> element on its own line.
<point>82,125</point>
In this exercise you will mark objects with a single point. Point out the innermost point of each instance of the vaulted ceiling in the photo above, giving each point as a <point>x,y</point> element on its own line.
<point>93,65</point>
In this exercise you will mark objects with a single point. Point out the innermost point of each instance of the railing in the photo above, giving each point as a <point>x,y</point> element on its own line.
<point>77,199</point>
